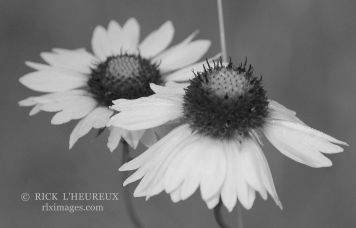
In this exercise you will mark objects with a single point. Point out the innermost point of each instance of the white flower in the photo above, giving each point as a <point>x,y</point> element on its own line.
<point>217,146</point>
<point>81,85</point>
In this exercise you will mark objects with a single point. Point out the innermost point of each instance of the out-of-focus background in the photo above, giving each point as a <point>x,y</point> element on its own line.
<point>305,50</point>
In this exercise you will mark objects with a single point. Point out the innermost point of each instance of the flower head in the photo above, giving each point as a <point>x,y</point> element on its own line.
<point>223,111</point>
<point>82,85</point>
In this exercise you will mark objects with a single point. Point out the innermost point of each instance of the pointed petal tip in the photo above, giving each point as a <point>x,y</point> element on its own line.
<point>111,148</point>
<point>124,167</point>
<point>279,204</point>
<point>71,144</point>
<point>126,182</point>
<point>324,164</point>
<point>229,208</point>
<point>32,112</point>
<point>344,144</point>
<point>139,193</point>
<point>113,22</point>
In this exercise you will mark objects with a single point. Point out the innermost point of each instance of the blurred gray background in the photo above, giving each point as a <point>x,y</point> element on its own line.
<point>304,49</point>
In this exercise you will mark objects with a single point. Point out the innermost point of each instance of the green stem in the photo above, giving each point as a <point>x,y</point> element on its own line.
<point>222,30</point>
<point>220,219</point>
<point>127,197</point>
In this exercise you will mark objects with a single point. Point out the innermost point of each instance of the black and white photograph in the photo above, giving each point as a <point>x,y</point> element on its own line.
<point>178,114</point>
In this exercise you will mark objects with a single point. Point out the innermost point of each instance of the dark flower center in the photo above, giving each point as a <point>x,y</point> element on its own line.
<point>225,101</point>
<point>123,76</point>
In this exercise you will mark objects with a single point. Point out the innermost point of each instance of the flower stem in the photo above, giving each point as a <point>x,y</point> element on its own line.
<point>220,220</point>
<point>240,223</point>
<point>218,216</point>
<point>127,198</point>
<point>222,30</point>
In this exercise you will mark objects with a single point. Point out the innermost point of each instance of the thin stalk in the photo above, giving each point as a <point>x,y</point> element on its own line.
<point>127,197</point>
<point>220,219</point>
<point>240,223</point>
<point>218,216</point>
<point>222,30</point>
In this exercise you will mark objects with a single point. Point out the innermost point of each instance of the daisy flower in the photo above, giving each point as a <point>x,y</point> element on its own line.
<point>81,85</point>
<point>223,112</point>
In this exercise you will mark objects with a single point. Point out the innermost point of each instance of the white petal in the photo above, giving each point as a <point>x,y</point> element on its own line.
<point>74,109</point>
<point>194,168</point>
<point>182,44</point>
<point>250,166</point>
<point>96,119</point>
<point>145,112</point>
<point>153,181</point>
<point>279,112</point>
<point>302,143</point>
<point>29,101</point>
<point>186,73</point>
<point>149,162</point>
<point>228,191</point>
<point>130,35</point>
<point>36,109</point>
<point>175,196</point>
<point>181,162</point>
<point>53,81</point>
<point>215,169</point>
<point>38,66</point>
<point>243,190</point>
<point>76,60</point>
<point>101,43</point>
<point>251,196</point>
<point>52,102</point>
<point>49,102</point>
<point>157,40</point>
<point>132,137</point>
<point>114,138</point>
<point>149,138</point>
<point>213,201</point>
<point>115,34</point>
<point>163,130</point>
<point>265,174</point>
<point>170,89</point>
<point>175,58</point>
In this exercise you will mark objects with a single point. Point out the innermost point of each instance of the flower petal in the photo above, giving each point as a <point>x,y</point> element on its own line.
<point>279,112</point>
<point>77,60</point>
<point>114,138</point>
<point>36,109</point>
<point>95,119</point>
<point>155,155</point>
<point>53,81</point>
<point>215,169</point>
<point>186,73</point>
<point>145,112</point>
<point>155,177</point>
<point>213,201</point>
<point>263,171</point>
<point>170,89</point>
<point>74,109</point>
<point>157,40</point>
<point>149,138</point>
<point>130,35</point>
<point>115,35</point>
<point>182,55</point>
<point>250,166</point>
<point>38,66</point>
<point>302,143</point>
<point>233,179</point>
<point>101,43</point>
<point>132,137</point>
